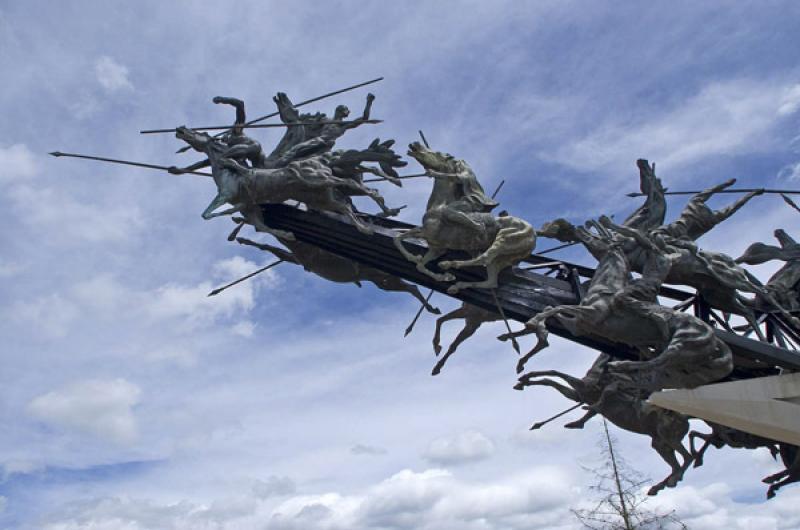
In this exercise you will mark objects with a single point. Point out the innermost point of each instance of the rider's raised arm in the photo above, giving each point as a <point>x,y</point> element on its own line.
<point>364,117</point>
<point>286,108</point>
<point>238,104</point>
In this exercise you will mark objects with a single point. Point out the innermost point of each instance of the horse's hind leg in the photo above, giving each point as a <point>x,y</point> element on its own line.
<point>470,327</point>
<point>492,272</point>
<point>668,454</point>
<point>461,312</point>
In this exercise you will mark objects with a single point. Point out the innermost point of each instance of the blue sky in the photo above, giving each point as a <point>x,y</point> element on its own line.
<point>130,400</point>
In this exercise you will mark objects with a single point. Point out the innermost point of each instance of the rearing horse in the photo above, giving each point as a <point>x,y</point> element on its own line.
<point>457,218</point>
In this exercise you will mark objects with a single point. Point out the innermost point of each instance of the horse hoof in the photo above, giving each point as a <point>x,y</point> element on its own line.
<point>437,349</point>
<point>453,290</point>
<point>436,370</point>
<point>445,264</point>
<point>434,310</point>
<point>448,277</point>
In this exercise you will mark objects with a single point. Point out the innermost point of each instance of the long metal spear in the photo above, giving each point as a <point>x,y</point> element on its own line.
<point>261,126</point>
<point>125,162</point>
<point>790,202</point>
<point>243,278</point>
<point>306,102</point>
<point>540,424</point>
<point>742,190</point>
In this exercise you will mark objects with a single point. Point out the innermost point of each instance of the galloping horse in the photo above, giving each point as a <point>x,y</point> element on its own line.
<point>308,181</point>
<point>681,351</point>
<point>612,396</point>
<point>457,218</point>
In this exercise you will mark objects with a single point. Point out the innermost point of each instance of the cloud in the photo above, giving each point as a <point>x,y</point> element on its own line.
<point>433,499</point>
<point>16,163</point>
<point>273,486</point>
<point>723,118</point>
<point>468,446</point>
<point>99,407</point>
<point>111,75</point>
<point>362,449</point>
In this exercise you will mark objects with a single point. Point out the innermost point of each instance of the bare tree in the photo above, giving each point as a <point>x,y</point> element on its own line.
<point>621,497</point>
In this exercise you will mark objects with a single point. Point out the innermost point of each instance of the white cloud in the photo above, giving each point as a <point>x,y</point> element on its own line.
<point>364,449</point>
<point>723,118</point>
<point>51,315</point>
<point>16,163</point>
<point>273,486</point>
<point>790,172</point>
<point>791,101</point>
<point>428,500</point>
<point>99,407</point>
<point>468,446</point>
<point>112,75</point>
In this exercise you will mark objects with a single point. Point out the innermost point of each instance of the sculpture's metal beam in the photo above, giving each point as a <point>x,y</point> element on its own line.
<point>521,293</point>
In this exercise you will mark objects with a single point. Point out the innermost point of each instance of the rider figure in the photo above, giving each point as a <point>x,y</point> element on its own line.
<point>330,132</point>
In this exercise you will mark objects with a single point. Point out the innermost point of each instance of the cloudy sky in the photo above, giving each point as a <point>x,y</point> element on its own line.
<point>129,400</point>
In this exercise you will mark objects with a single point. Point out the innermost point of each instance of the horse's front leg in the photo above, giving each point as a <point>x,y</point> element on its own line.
<point>398,242</point>
<point>218,201</point>
<point>430,255</point>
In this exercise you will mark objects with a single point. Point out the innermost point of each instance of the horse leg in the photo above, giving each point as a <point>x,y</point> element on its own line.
<point>537,324</point>
<point>398,242</point>
<point>492,271</point>
<point>461,312</point>
<point>431,254</point>
<point>390,283</point>
<point>470,327</point>
<point>215,203</point>
<point>580,422</point>
<point>698,455</point>
<point>567,392</point>
<point>669,457</point>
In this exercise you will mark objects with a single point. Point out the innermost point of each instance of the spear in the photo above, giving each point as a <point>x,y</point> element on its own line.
<point>540,424</point>
<point>508,327</point>
<point>243,278</point>
<point>125,162</point>
<point>790,202</point>
<point>430,294</point>
<point>743,190</point>
<point>306,102</point>
<point>261,126</point>
<point>415,175</point>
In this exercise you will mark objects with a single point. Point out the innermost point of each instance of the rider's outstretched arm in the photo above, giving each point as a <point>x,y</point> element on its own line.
<point>364,117</point>
<point>241,117</point>
<point>194,167</point>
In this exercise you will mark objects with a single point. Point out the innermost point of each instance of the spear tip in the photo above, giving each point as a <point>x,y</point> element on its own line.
<point>632,194</point>
<point>214,292</point>
<point>56,153</point>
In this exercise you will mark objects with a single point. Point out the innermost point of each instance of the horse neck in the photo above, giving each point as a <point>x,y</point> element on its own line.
<point>441,193</point>
<point>612,272</point>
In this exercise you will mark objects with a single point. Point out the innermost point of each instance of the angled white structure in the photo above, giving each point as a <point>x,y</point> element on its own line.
<point>766,406</point>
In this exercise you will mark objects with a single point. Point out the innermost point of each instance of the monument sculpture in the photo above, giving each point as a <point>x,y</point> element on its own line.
<point>302,193</point>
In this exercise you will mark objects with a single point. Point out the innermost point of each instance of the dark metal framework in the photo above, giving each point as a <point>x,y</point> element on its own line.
<point>537,283</point>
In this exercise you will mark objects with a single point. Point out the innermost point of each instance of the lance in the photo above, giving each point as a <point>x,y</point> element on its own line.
<point>125,162</point>
<point>306,102</point>
<point>415,175</point>
<point>790,202</point>
<point>430,294</point>
<point>261,126</point>
<point>539,425</point>
<point>508,327</point>
<point>743,190</point>
<point>243,278</point>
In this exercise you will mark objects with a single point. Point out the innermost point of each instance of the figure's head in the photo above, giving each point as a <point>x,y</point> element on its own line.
<point>198,141</point>
<point>434,160</point>
<point>341,112</point>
